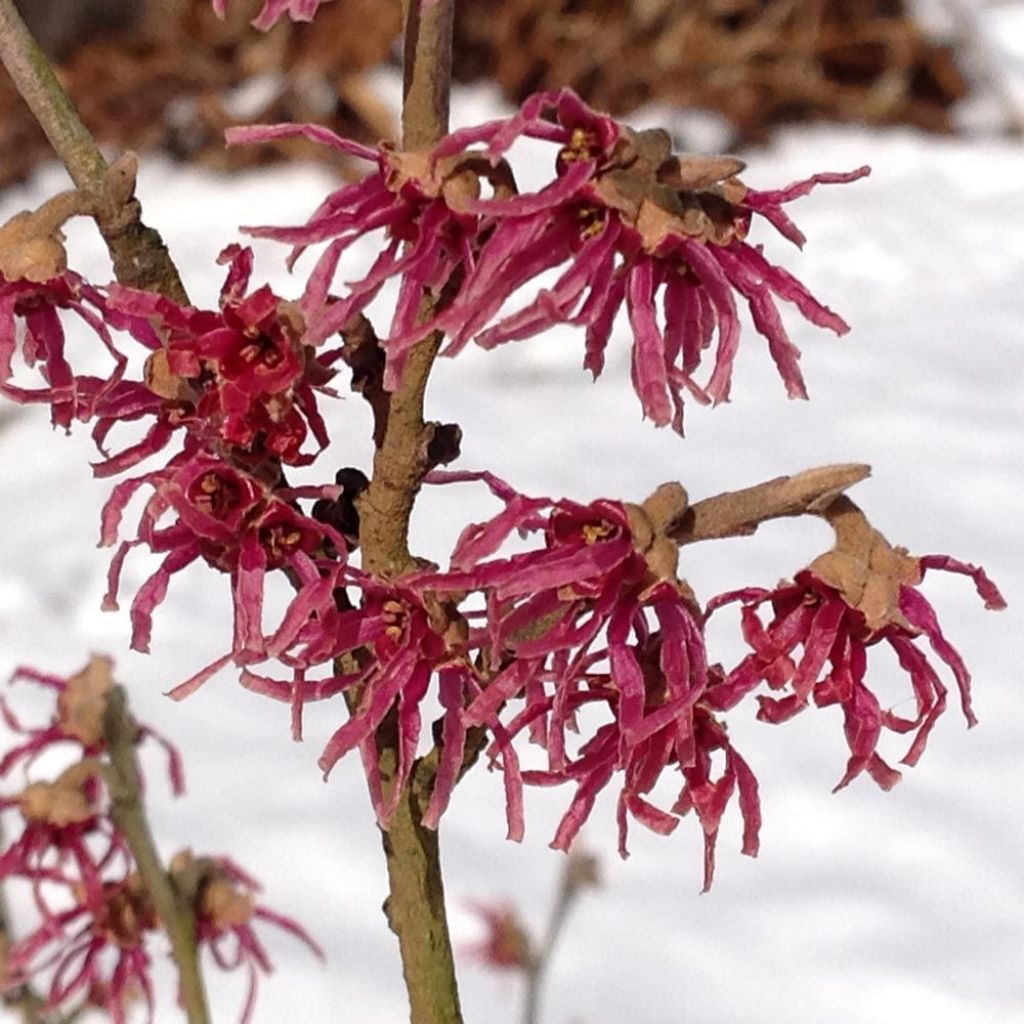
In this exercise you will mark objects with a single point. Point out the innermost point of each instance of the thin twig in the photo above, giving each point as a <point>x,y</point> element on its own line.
<point>578,873</point>
<point>138,253</point>
<point>415,908</point>
<point>129,815</point>
<point>428,71</point>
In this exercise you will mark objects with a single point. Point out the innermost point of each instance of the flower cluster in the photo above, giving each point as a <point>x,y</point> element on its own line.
<point>597,619</point>
<point>93,942</point>
<point>589,643</point>
<point>626,221</point>
<point>236,387</point>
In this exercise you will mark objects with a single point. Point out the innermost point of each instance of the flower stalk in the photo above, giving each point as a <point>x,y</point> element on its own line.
<point>173,907</point>
<point>140,258</point>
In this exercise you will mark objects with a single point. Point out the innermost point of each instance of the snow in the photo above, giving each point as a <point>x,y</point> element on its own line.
<point>863,908</point>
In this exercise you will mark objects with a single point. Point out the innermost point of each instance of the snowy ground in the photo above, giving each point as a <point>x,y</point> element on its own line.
<point>863,908</point>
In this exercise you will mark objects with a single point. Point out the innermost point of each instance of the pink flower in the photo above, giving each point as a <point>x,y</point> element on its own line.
<point>226,911</point>
<point>626,221</point>
<point>431,240</point>
<point>63,831</point>
<point>93,952</point>
<point>397,643</point>
<point>95,913</point>
<point>77,719</point>
<point>64,826</point>
<point>272,10</point>
<point>506,943</point>
<point>235,524</point>
<point>839,608</point>
<point>43,344</point>
<point>597,616</point>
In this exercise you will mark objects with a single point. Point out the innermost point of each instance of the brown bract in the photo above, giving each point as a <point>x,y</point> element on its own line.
<point>163,381</point>
<point>127,913</point>
<point>867,571</point>
<point>457,178</point>
<point>64,801</point>
<point>31,242</point>
<point>215,896</point>
<point>661,194</point>
<point>649,523</point>
<point>225,905</point>
<point>80,706</point>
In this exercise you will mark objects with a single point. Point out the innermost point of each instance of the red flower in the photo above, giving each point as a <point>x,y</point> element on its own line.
<point>35,306</point>
<point>861,594</point>
<point>230,520</point>
<point>240,381</point>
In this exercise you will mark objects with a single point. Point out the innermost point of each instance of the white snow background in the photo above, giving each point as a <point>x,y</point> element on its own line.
<point>862,908</point>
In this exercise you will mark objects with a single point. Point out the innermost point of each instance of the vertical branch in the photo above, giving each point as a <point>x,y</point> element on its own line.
<point>401,461</point>
<point>428,71</point>
<point>138,253</point>
<point>129,815</point>
<point>415,906</point>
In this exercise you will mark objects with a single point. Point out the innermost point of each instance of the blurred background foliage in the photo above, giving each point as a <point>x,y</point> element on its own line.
<point>167,75</point>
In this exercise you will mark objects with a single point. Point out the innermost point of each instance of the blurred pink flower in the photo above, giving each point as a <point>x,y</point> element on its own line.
<point>506,943</point>
<point>226,912</point>
<point>273,10</point>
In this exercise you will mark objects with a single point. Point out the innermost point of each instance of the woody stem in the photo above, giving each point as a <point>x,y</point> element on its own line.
<point>129,815</point>
<point>415,907</point>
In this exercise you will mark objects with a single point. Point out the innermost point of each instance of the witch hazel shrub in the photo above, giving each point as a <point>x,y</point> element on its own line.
<point>563,624</point>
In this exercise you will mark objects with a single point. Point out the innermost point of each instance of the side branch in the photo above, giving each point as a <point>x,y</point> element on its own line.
<point>739,513</point>
<point>128,813</point>
<point>138,253</point>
